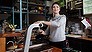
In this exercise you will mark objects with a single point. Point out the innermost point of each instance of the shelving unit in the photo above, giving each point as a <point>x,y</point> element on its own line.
<point>74,4</point>
<point>74,15</point>
<point>74,8</point>
<point>26,10</point>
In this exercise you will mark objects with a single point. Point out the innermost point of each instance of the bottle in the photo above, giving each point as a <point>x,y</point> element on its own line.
<point>0,29</point>
<point>3,28</point>
<point>70,30</point>
<point>67,29</point>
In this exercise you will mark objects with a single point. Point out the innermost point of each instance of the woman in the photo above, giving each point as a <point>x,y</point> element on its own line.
<point>56,28</point>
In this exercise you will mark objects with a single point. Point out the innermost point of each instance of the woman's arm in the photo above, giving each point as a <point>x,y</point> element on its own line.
<point>44,22</point>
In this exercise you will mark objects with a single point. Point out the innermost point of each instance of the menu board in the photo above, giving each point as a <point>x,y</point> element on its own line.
<point>87,7</point>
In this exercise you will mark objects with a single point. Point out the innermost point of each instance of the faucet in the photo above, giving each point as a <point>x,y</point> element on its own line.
<point>29,33</point>
<point>12,49</point>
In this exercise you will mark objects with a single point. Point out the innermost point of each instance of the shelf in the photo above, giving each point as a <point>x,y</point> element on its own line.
<point>29,13</point>
<point>75,4</point>
<point>24,8</point>
<point>78,3</point>
<point>32,3</point>
<point>5,12</point>
<point>4,9</point>
<point>19,12</point>
<point>37,4</point>
<point>75,8</point>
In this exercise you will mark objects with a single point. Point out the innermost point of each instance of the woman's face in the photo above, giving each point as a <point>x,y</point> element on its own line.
<point>55,8</point>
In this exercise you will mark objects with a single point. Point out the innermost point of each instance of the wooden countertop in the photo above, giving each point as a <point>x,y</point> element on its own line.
<point>43,48</point>
<point>10,34</point>
<point>86,38</point>
<point>79,37</point>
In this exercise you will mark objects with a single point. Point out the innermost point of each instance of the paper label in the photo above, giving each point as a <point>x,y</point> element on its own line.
<point>86,23</point>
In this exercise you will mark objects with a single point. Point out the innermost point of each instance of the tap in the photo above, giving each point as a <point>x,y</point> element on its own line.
<point>13,47</point>
<point>29,33</point>
<point>11,42</point>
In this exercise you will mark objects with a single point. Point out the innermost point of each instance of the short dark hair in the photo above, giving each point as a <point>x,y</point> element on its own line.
<point>55,3</point>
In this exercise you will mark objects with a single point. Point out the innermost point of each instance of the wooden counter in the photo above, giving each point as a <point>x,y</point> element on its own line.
<point>83,44</point>
<point>13,34</point>
<point>10,34</point>
<point>3,39</point>
<point>80,37</point>
<point>86,38</point>
<point>46,48</point>
<point>43,48</point>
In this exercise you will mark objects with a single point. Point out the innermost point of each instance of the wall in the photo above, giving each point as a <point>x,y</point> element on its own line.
<point>90,17</point>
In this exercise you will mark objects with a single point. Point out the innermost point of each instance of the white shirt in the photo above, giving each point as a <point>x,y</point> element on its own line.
<point>57,28</point>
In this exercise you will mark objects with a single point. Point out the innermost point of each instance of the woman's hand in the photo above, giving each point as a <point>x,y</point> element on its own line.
<point>41,32</point>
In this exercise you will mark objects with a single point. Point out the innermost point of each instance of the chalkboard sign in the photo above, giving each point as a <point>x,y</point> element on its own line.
<point>87,7</point>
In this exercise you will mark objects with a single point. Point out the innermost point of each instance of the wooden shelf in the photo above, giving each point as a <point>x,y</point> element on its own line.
<point>10,34</point>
